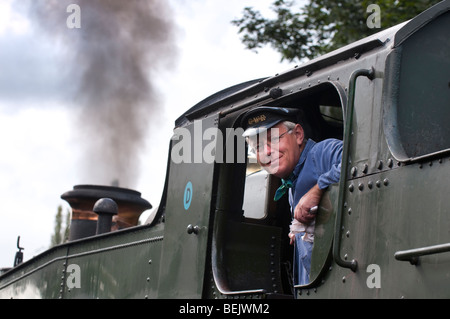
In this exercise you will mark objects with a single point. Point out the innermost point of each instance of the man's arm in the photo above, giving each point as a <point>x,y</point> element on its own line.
<point>327,159</point>
<point>309,200</point>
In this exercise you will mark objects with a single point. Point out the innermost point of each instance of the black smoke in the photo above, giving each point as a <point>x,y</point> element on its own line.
<point>110,65</point>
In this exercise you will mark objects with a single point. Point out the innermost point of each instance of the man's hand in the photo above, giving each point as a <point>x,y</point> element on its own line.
<point>309,200</point>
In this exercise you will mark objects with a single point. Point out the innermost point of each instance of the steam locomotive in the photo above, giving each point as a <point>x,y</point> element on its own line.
<point>382,232</point>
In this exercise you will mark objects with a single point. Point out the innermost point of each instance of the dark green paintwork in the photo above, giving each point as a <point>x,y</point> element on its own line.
<point>395,197</point>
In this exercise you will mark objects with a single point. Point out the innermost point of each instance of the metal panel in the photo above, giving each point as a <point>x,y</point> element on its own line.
<point>37,279</point>
<point>117,265</point>
<point>187,212</point>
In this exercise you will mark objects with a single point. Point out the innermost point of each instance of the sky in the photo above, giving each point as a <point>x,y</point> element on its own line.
<point>40,139</point>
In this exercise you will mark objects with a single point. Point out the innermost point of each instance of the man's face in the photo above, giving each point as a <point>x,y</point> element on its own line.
<point>278,150</point>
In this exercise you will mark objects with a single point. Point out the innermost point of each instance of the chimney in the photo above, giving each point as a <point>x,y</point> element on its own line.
<point>82,199</point>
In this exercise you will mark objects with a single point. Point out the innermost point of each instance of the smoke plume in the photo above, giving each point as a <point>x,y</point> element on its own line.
<point>111,61</point>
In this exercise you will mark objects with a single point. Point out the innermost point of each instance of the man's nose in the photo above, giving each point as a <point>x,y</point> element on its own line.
<point>267,149</point>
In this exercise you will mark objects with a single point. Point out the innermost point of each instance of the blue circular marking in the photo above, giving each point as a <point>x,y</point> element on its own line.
<point>187,198</point>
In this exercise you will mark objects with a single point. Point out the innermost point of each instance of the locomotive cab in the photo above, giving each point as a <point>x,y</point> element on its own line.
<point>251,253</point>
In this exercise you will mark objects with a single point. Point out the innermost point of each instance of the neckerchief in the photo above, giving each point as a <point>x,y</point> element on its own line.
<point>285,185</point>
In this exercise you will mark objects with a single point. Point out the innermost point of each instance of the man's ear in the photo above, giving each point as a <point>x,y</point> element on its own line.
<point>299,134</point>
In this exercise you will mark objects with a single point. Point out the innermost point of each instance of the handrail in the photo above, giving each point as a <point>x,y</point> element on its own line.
<point>370,74</point>
<point>412,255</point>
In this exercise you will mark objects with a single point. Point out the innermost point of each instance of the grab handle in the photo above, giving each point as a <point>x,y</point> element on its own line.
<point>370,74</point>
<point>413,255</point>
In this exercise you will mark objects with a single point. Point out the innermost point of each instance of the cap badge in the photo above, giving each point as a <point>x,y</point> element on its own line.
<point>256,119</point>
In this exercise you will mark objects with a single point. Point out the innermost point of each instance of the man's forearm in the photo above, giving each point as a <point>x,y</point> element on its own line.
<point>309,200</point>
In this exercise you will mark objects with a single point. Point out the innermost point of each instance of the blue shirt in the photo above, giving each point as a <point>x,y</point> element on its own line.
<point>319,163</point>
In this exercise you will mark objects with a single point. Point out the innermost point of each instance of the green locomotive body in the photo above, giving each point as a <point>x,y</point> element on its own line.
<point>382,232</point>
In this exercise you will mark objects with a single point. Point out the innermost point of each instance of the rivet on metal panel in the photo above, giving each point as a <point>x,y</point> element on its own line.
<point>370,184</point>
<point>378,183</point>
<point>193,229</point>
<point>365,168</point>
<point>386,182</point>
<point>380,164</point>
<point>351,187</point>
<point>390,162</point>
<point>354,171</point>
<point>275,93</point>
<point>361,186</point>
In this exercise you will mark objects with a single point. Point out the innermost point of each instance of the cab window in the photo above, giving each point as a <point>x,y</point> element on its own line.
<point>322,117</point>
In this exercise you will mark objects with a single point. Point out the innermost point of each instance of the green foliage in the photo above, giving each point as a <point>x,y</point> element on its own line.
<point>300,33</point>
<point>61,232</point>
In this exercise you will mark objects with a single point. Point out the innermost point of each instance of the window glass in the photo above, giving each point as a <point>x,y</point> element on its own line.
<point>419,111</point>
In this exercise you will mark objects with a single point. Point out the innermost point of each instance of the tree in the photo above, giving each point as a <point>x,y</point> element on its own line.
<point>61,232</point>
<point>320,26</point>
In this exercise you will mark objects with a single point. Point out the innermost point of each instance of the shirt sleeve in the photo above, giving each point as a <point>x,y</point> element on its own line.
<point>327,158</point>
